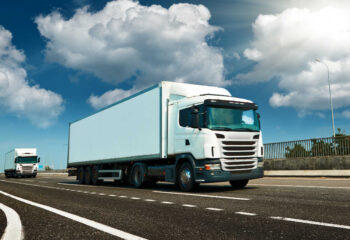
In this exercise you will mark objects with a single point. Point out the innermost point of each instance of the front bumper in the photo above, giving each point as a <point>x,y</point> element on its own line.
<point>207,176</point>
<point>19,173</point>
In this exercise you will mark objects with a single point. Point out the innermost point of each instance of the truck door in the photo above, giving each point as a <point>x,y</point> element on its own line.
<point>185,137</point>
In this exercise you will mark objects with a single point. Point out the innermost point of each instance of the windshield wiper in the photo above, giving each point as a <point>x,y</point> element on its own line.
<point>222,128</point>
<point>245,129</point>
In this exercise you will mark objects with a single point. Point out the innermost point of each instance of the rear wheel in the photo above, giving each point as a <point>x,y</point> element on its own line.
<point>185,178</point>
<point>239,183</point>
<point>87,175</point>
<point>137,176</point>
<point>81,175</point>
<point>94,176</point>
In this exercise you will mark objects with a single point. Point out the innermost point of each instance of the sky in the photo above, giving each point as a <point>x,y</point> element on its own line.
<point>62,60</point>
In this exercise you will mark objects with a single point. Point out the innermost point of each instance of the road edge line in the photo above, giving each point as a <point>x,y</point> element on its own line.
<point>14,229</point>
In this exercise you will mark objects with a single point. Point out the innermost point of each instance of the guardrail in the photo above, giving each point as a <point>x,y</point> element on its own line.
<point>337,146</point>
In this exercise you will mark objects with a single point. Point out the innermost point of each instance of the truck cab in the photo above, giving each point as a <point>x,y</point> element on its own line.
<point>220,134</point>
<point>21,162</point>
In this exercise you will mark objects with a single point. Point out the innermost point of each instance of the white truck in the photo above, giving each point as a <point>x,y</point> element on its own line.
<point>176,132</point>
<point>21,162</point>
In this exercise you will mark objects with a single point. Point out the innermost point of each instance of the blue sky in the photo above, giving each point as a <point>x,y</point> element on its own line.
<point>59,63</point>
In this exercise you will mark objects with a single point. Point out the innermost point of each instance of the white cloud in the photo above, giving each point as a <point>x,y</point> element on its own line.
<point>285,46</point>
<point>126,40</point>
<point>109,97</point>
<point>346,114</point>
<point>40,106</point>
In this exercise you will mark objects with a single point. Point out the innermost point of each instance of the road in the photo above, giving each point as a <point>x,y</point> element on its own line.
<point>56,207</point>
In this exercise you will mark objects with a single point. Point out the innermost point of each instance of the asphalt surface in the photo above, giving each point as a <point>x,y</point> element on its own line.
<point>269,208</point>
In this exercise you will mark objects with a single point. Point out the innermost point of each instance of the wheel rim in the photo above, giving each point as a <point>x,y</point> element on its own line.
<point>185,176</point>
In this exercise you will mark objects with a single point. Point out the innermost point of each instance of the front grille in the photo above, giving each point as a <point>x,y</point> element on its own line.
<point>239,155</point>
<point>27,168</point>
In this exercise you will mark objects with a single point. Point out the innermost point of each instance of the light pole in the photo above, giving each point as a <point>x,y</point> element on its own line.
<point>330,93</point>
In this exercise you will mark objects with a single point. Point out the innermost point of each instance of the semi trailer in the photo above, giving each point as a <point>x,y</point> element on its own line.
<point>182,133</point>
<point>21,162</point>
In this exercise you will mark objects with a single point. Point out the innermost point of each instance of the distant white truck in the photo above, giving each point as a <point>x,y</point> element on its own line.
<point>176,132</point>
<point>21,162</point>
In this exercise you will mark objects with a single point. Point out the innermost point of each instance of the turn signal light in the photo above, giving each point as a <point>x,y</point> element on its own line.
<point>207,167</point>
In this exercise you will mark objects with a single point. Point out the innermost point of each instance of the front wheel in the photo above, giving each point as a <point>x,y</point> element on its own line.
<point>185,178</point>
<point>239,183</point>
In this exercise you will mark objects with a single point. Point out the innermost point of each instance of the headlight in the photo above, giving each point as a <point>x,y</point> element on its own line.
<point>212,166</point>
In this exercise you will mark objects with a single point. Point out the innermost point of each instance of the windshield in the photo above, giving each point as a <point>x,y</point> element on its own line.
<point>232,119</point>
<point>27,159</point>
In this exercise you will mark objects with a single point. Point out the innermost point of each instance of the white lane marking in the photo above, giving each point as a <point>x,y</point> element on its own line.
<point>92,192</point>
<point>88,222</point>
<point>297,186</point>
<point>123,196</point>
<point>246,213</point>
<point>165,202</point>
<point>214,209</point>
<point>311,222</point>
<point>135,198</point>
<point>102,194</point>
<point>85,192</point>
<point>307,178</point>
<point>112,195</point>
<point>13,230</point>
<point>188,205</point>
<point>149,200</point>
<point>75,184</point>
<point>203,195</point>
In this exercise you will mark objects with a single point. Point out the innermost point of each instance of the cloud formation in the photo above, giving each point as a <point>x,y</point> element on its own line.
<point>286,45</point>
<point>40,106</point>
<point>126,40</point>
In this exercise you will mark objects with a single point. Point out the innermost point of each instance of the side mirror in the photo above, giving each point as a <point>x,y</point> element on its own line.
<point>16,160</point>
<point>258,115</point>
<point>38,160</point>
<point>195,117</point>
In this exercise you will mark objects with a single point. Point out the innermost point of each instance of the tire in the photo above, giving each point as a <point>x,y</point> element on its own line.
<point>94,176</point>
<point>185,178</point>
<point>239,183</point>
<point>34,175</point>
<point>87,176</point>
<point>7,175</point>
<point>81,175</point>
<point>137,176</point>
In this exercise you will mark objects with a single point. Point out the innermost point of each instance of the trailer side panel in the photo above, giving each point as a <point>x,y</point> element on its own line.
<point>129,129</point>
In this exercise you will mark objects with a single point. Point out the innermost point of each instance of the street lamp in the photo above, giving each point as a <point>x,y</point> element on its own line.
<point>330,94</point>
